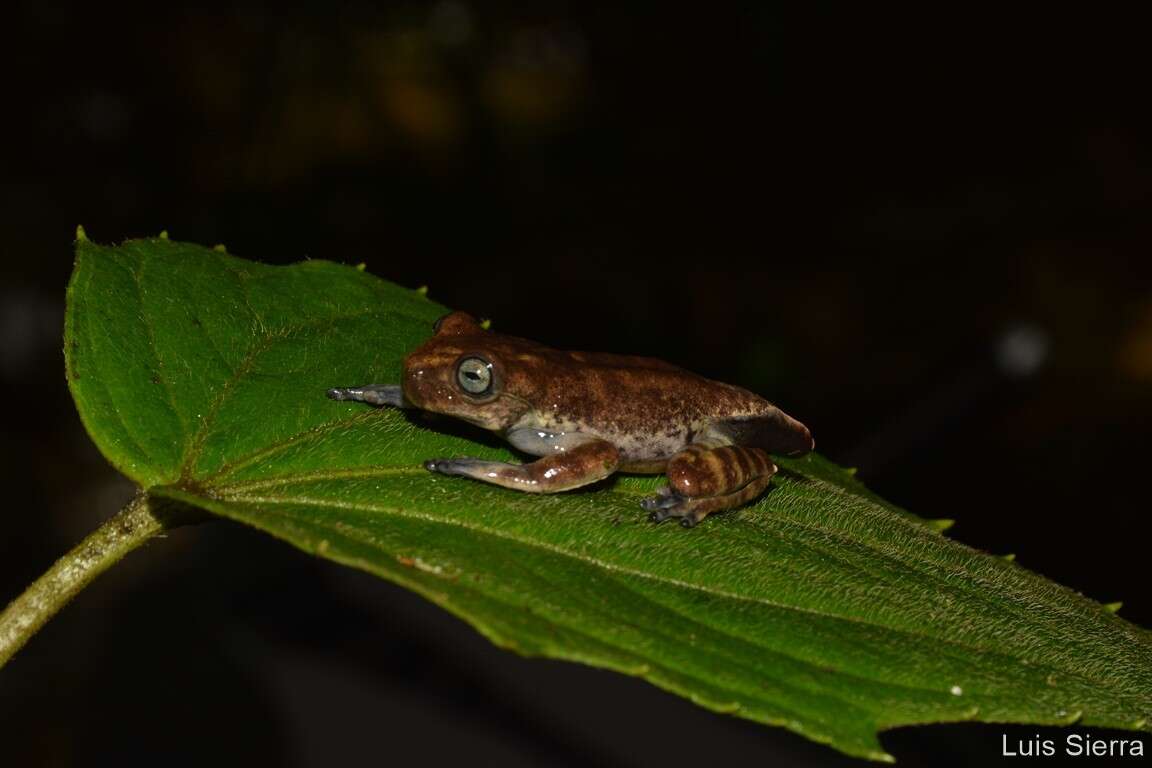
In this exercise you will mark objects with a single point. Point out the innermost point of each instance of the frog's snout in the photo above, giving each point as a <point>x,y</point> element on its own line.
<point>803,440</point>
<point>792,437</point>
<point>428,385</point>
<point>808,439</point>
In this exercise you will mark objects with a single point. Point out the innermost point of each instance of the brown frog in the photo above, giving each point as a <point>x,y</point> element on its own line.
<point>588,415</point>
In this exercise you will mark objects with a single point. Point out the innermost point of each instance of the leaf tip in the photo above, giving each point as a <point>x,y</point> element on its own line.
<point>940,524</point>
<point>1114,607</point>
<point>163,234</point>
<point>81,235</point>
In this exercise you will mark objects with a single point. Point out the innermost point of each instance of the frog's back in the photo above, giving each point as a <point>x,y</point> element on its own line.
<point>599,386</point>
<point>650,409</point>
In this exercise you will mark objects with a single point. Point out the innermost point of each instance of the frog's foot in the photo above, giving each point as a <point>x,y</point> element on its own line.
<point>664,497</point>
<point>661,503</point>
<point>704,479</point>
<point>690,510</point>
<point>664,504</point>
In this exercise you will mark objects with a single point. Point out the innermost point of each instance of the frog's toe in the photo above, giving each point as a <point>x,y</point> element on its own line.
<point>449,466</point>
<point>665,497</point>
<point>687,510</point>
<point>665,504</point>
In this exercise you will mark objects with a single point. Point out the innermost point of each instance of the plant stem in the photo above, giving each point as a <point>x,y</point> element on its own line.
<point>122,533</point>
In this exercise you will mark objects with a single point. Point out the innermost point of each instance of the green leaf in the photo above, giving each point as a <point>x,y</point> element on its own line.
<point>820,608</point>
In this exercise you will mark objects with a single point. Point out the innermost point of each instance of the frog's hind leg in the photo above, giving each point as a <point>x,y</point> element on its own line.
<point>706,477</point>
<point>580,464</point>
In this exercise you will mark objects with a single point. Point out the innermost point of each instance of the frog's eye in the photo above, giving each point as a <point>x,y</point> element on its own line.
<point>474,374</point>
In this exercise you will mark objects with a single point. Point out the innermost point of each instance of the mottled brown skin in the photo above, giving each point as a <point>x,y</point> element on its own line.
<point>590,414</point>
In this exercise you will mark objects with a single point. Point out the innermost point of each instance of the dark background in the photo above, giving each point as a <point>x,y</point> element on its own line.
<point>926,237</point>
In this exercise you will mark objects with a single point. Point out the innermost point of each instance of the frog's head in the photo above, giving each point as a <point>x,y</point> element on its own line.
<point>461,372</point>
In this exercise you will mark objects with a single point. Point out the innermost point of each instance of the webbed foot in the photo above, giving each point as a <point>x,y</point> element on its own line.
<point>667,503</point>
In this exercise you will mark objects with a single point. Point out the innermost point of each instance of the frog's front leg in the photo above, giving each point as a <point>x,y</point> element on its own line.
<point>373,394</point>
<point>578,462</point>
<point>708,477</point>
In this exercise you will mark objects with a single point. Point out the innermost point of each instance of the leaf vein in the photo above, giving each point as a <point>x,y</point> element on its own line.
<point>659,578</point>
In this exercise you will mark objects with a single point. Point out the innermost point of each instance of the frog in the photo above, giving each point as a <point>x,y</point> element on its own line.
<point>584,416</point>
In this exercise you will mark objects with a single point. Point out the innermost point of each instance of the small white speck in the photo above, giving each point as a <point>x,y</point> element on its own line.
<point>1022,350</point>
<point>426,566</point>
<point>956,690</point>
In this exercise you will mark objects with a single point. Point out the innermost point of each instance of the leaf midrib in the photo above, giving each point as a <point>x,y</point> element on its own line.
<point>660,578</point>
<point>797,686</point>
<point>922,568</point>
<point>269,337</point>
<point>965,580</point>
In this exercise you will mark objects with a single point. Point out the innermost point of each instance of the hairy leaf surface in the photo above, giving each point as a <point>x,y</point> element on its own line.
<point>820,607</point>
